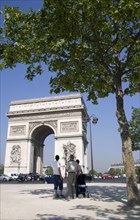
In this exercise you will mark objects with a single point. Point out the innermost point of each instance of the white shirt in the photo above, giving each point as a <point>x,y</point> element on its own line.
<point>56,165</point>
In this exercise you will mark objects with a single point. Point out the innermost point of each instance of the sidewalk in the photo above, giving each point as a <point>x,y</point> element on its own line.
<point>35,202</point>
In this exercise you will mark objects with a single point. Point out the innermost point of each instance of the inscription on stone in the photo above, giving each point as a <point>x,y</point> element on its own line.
<point>71,126</point>
<point>45,104</point>
<point>18,130</point>
<point>58,115</point>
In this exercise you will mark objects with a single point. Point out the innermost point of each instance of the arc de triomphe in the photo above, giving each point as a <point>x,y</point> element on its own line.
<point>31,121</point>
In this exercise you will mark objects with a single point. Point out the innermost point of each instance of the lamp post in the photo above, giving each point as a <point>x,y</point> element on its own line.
<point>92,119</point>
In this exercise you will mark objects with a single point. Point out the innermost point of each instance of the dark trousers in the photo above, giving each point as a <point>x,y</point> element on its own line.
<point>58,183</point>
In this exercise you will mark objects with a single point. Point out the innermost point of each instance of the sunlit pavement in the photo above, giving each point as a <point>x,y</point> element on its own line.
<point>35,202</point>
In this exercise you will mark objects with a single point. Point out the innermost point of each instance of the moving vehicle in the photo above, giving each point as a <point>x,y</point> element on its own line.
<point>107,176</point>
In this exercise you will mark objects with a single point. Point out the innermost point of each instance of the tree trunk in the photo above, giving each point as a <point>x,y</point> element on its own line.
<point>132,188</point>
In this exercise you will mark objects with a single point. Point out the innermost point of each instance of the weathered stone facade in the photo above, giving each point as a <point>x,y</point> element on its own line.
<point>31,121</point>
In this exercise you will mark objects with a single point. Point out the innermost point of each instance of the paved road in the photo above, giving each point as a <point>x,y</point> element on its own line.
<point>116,180</point>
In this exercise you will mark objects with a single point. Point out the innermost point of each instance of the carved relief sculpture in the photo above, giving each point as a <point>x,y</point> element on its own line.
<point>71,126</point>
<point>15,154</point>
<point>18,130</point>
<point>34,124</point>
<point>68,149</point>
<point>52,123</point>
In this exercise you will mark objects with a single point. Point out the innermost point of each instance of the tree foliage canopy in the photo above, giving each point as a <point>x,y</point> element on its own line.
<point>115,171</point>
<point>88,44</point>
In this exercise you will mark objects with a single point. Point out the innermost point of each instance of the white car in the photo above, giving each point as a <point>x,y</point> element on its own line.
<point>4,177</point>
<point>14,176</point>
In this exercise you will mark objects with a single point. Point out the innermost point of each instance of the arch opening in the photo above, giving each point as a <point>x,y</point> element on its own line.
<point>39,141</point>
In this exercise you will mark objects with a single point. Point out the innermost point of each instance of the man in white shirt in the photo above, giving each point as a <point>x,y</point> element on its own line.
<point>58,179</point>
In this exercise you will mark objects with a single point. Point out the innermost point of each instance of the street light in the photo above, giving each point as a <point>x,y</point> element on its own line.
<point>94,120</point>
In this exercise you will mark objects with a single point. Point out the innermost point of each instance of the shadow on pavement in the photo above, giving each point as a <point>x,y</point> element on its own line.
<point>104,194</point>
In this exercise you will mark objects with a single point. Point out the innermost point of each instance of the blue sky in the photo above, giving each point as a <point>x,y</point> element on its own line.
<point>106,139</point>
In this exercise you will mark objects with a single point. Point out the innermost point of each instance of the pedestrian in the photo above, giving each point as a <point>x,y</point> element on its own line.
<point>58,179</point>
<point>72,169</point>
<point>78,176</point>
<point>79,167</point>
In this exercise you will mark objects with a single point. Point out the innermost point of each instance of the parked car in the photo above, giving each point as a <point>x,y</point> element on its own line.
<point>42,178</point>
<point>33,177</point>
<point>13,176</point>
<point>116,176</point>
<point>22,177</point>
<point>4,177</point>
<point>107,176</point>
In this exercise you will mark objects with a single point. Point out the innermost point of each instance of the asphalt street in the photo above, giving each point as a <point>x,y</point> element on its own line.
<point>96,180</point>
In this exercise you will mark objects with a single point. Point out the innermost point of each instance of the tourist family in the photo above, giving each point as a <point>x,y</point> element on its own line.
<point>73,169</point>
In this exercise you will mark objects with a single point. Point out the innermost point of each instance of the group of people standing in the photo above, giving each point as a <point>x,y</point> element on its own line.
<point>73,169</point>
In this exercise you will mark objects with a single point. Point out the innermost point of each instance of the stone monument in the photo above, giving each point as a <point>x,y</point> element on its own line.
<point>31,121</point>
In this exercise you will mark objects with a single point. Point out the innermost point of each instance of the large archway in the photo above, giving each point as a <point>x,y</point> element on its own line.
<point>48,152</point>
<point>32,121</point>
<point>38,136</point>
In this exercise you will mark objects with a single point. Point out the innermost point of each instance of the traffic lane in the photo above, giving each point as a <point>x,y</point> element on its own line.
<point>96,180</point>
<point>115,180</point>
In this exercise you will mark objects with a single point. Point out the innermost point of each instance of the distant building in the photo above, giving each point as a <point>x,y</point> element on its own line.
<point>121,166</point>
